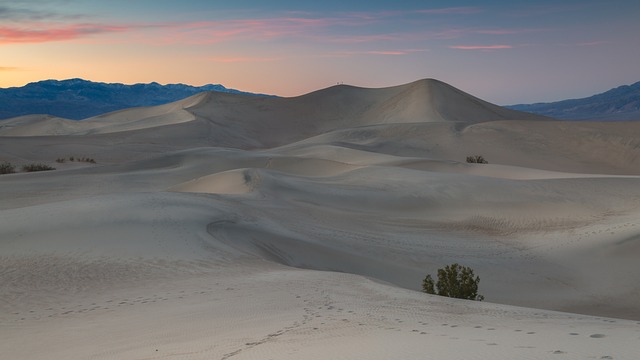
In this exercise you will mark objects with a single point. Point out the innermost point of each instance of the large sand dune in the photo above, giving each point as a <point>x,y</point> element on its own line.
<point>202,228</point>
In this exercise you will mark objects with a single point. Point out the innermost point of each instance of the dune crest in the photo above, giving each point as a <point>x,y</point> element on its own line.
<point>311,114</point>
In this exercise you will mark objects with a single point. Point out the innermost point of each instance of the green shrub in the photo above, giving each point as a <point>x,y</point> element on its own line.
<point>476,159</point>
<point>36,167</point>
<point>454,281</point>
<point>7,168</point>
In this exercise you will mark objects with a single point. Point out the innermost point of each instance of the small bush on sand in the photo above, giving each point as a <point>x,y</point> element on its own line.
<point>476,159</point>
<point>454,281</point>
<point>36,167</point>
<point>60,160</point>
<point>81,159</point>
<point>7,168</point>
<point>85,159</point>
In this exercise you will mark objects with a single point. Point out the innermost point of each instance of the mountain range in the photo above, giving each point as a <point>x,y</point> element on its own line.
<point>79,99</point>
<point>619,104</point>
<point>238,120</point>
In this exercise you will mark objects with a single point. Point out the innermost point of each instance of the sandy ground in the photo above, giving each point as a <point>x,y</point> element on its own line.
<point>224,226</point>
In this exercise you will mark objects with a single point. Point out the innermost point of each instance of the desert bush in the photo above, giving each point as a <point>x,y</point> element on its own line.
<point>36,167</point>
<point>85,159</point>
<point>454,281</point>
<point>476,159</point>
<point>60,160</point>
<point>82,159</point>
<point>7,168</point>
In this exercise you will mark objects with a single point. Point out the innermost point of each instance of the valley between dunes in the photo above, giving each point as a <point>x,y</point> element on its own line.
<point>227,226</point>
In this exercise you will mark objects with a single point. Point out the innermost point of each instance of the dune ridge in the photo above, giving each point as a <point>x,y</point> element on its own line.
<point>311,114</point>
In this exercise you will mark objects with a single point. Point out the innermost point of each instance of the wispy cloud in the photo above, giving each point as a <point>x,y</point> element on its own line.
<point>243,59</point>
<point>395,52</point>
<point>508,31</point>
<point>382,52</point>
<point>339,28</point>
<point>480,47</point>
<point>201,32</point>
<point>17,14</point>
<point>260,29</point>
<point>452,10</point>
<point>592,43</point>
<point>375,52</point>
<point>15,35</point>
<point>9,68</point>
<point>378,15</point>
<point>582,44</point>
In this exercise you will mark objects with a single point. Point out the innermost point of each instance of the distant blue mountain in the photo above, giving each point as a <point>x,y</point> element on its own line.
<point>79,99</point>
<point>621,103</point>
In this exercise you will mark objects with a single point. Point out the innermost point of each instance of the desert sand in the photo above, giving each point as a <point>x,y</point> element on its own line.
<point>227,226</point>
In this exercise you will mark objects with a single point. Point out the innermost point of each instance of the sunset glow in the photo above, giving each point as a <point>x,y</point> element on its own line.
<point>288,48</point>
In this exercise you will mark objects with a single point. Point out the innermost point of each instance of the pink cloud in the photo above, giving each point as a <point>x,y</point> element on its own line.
<point>480,47</point>
<point>293,25</point>
<point>42,33</point>
<point>201,32</point>
<point>395,52</point>
<point>301,25</point>
<point>387,52</point>
<point>254,29</point>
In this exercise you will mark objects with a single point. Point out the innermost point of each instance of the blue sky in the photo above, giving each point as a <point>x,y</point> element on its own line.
<point>502,51</point>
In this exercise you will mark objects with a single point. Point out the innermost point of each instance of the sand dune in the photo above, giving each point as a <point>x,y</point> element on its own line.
<point>33,125</point>
<point>268,121</point>
<point>224,226</point>
<point>124,120</point>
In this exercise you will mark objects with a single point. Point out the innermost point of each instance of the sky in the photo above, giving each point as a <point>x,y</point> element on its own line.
<point>505,52</point>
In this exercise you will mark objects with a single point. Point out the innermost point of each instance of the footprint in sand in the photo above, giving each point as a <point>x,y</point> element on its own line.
<point>597,336</point>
